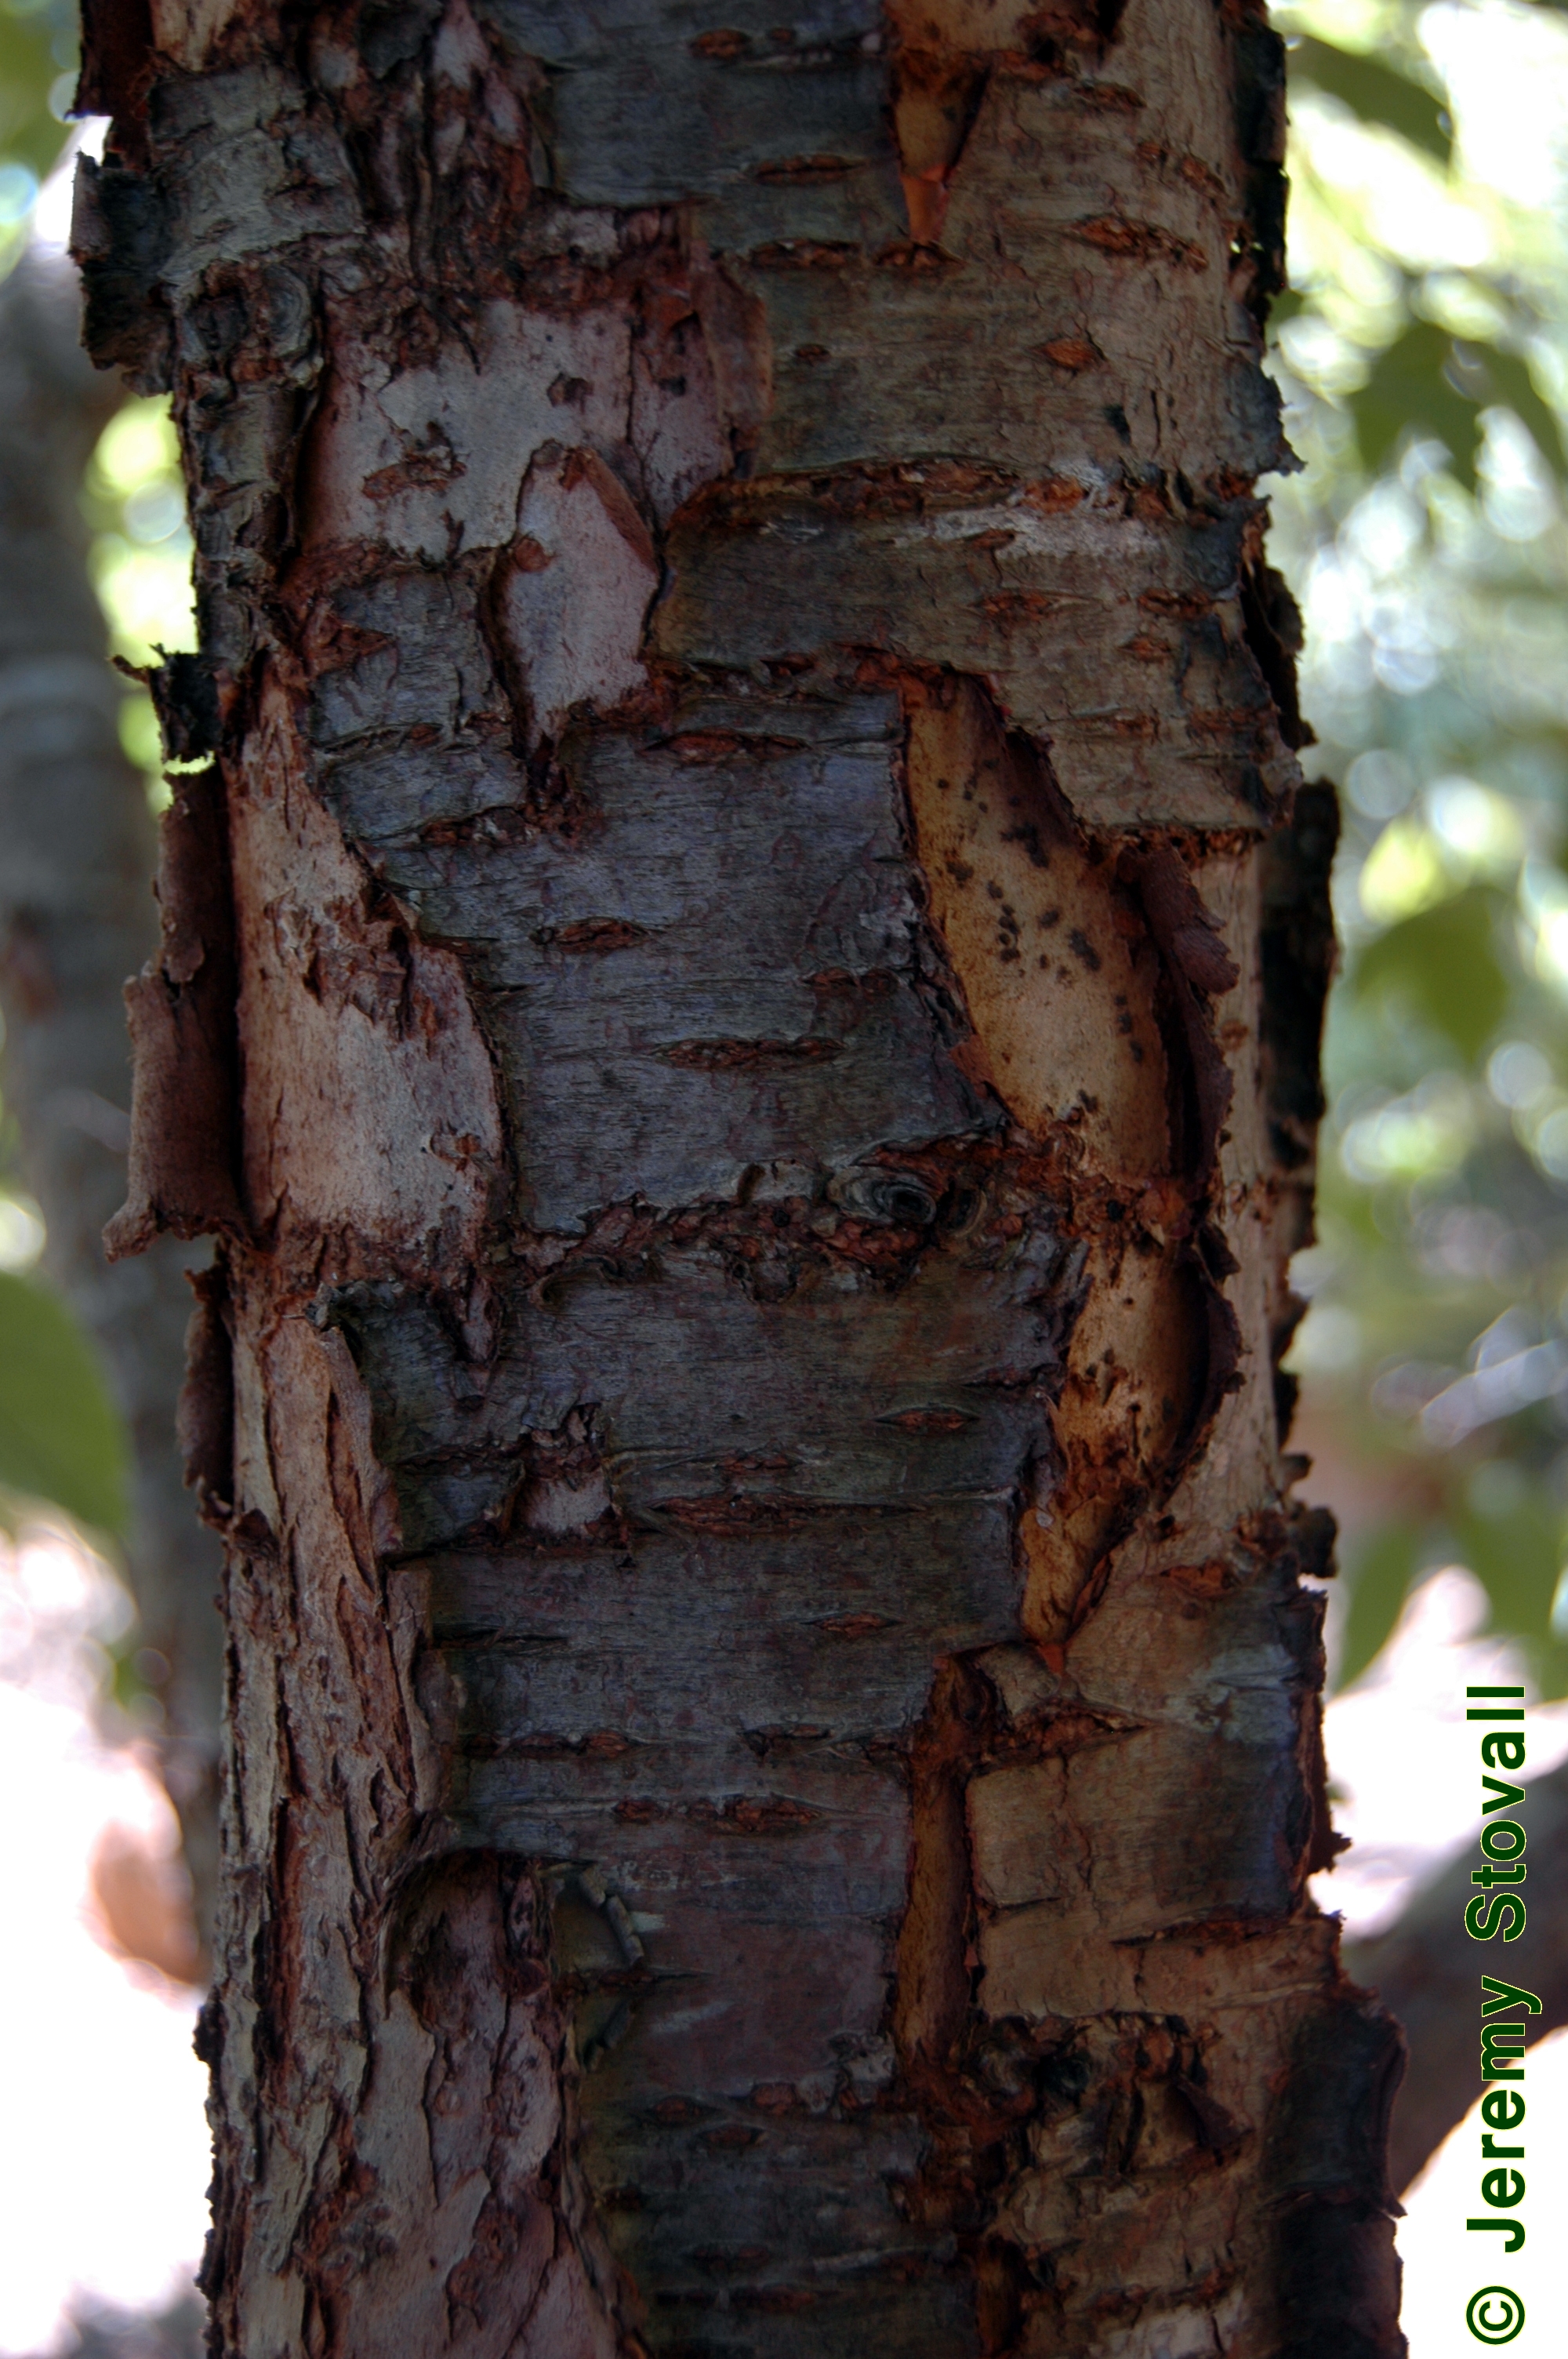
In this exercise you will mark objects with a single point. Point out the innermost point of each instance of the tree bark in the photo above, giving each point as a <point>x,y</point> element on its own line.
<point>77,853</point>
<point>742,993</point>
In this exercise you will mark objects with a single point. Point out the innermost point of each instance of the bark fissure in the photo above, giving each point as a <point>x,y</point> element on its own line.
<point>773,1713</point>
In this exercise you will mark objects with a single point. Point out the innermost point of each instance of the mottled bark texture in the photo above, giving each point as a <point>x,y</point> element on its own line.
<point>77,853</point>
<point>775,1748</point>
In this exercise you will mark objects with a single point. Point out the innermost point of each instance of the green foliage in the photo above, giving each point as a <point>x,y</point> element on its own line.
<point>61,1439</point>
<point>1497,376</point>
<point>1412,385</point>
<point>1378,1576</point>
<point>1440,968</point>
<point>1424,363</point>
<point>1515,1546</point>
<point>37,53</point>
<point>1432,383</point>
<point>37,62</point>
<point>1376,92</point>
<point>134,497</point>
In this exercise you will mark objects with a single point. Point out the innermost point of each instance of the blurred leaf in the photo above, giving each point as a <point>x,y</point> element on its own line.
<point>59,1437</point>
<point>1512,385</point>
<point>1377,92</point>
<point>1431,381</point>
<point>1550,1661</point>
<point>1412,385</point>
<point>1379,1576</point>
<point>1442,967</point>
<point>1517,1557</point>
<point>1437,657</point>
<point>29,133</point>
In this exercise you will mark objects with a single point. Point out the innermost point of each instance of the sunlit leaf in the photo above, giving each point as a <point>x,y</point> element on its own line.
<point>1378,1573</point>
<point>1516,1556</point>
<point>1441,968</point>
<point>35,45</point>
<point>61,1439</point>
<point>1405,872</point>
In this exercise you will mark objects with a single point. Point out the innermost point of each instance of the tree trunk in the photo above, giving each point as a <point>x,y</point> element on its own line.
<point>77,916</point>
<point>743,993</point>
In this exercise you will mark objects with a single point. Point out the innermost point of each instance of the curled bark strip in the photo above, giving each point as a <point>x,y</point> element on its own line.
<point>1198,970</point>
<point>204,1425</point>
<point>184,1111</point>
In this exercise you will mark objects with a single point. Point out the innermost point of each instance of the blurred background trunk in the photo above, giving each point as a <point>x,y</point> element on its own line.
<point>77,916</point>
<point>1429,1980</point>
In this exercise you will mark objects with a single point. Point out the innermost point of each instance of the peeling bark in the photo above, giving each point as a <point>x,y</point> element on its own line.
<point>775,1747</point>
<point>181,1010</point>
